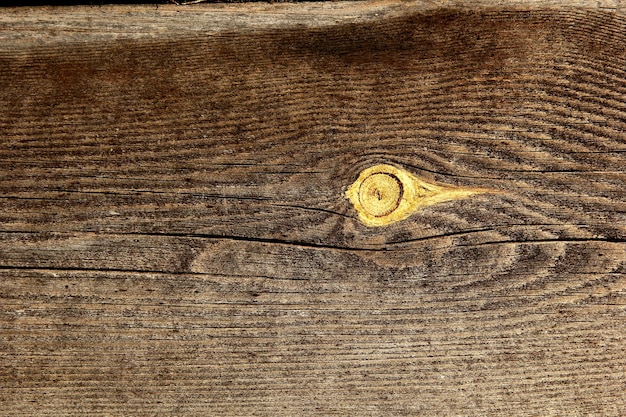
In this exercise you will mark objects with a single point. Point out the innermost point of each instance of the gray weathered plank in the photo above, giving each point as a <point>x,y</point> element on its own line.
<point>175,238</point>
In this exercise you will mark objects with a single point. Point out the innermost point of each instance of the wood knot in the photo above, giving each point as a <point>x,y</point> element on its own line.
<point>384,194</point>
<point>380,194</point>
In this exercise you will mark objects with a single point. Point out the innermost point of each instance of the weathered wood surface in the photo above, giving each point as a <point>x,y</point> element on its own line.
<point>175,237</point>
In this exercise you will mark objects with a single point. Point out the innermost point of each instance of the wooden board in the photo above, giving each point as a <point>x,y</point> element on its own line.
<point>175,237</point>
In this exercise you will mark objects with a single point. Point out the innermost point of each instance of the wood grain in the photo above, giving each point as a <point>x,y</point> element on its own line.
<point>175,237</point>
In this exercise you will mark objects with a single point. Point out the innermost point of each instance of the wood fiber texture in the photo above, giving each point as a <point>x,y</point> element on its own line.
<point>175,238</point>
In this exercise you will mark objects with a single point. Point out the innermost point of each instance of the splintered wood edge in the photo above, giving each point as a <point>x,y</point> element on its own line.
<point>384,194</point>
<point>48,25</point>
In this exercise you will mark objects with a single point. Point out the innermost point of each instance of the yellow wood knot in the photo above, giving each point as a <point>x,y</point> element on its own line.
<point>380,194</point>
<point>384,194</point>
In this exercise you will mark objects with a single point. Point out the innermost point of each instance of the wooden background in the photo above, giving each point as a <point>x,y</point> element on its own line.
<point>175,240</point>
